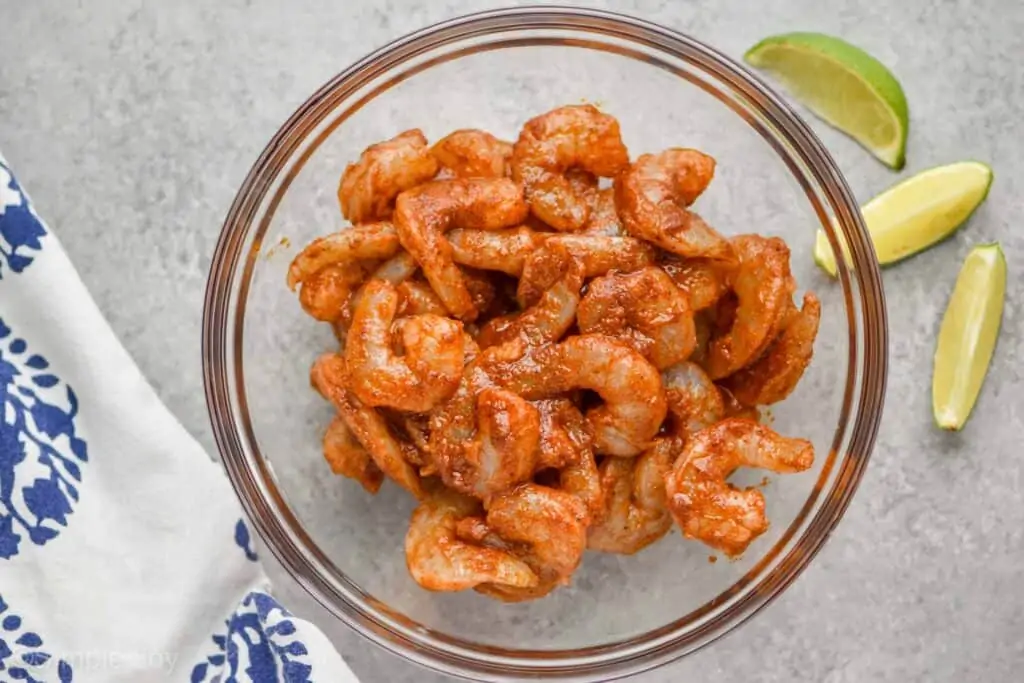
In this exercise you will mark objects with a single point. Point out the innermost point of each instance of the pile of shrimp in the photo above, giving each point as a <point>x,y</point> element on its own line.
<point>546,346</point>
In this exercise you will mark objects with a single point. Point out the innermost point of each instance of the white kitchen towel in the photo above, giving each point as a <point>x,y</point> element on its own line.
<point>123,556</point>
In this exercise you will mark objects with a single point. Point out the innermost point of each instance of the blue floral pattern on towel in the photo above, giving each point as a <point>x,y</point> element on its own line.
<point>41,456</point>
<point>21,230</point>
<point>244,541</point>
<point>23,656</point>
<point>260,645</point>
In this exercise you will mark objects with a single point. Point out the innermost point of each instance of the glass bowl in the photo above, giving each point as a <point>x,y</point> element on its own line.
<point>622,614</point>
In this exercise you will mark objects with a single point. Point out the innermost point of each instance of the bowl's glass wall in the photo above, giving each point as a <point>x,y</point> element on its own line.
<point>350,544</point>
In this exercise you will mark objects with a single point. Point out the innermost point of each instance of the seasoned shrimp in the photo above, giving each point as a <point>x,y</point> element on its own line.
<point>636,507</point>
<point>439,560</point>
<point>634,400</point>
<point>703,326</point>
<point>426,375</point>
<point>652,197</point>
<point>580,363</point>
<point>703,281</point>
<point>564,433</point>
<point>644,310</point>
<point>472,153</point>
<point>484,440</point>
<point>693,399</point>
<point>549,318</point>
<point>480,287</point>
<point>596,253</point>
<point>326,294</point>
<point>475,530</point>
<point>369,186</point>
<point>396,269</point>
<point>417,298</point>
<point>347,457</point>
<point>764,288</point>
<point>501,250</point>
<point>512,594</point>
<point>711,510</point>
<point>775,375</point>
<point>372,241</point>
<point>552,144</point>
<point>425,213</point>
<point>733,408</point>
<point>509,433</point>
<point>582,479</point>
<point>552,524</point>
<point>329,377</point>
<point>415,429</point>
<point>583,185</point>
<point>566,444</point>
<point>604,216</point>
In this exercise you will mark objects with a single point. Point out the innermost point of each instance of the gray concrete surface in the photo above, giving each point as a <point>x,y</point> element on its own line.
<point>133,122</point>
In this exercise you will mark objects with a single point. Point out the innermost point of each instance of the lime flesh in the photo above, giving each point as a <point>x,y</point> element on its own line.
<point>842,84</point>
<point>967,337</point>
<point>918,212</point>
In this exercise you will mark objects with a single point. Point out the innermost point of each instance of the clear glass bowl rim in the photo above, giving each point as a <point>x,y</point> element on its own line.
<point>223,324</point>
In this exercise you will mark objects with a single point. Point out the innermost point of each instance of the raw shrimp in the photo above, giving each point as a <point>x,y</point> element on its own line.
<point>425,213</point>
<point>604,216</point>
<point>566,444</point>
<point>511,594</point>
<point>550,145</point>
<point>630,386</point>
<point>708,508</point>
<point>652,197</point>
<point>426,375</point>
<point>733,408</point>
<point>509,433</point>
<point>774,376</point>
<point>414,428</point>
<point>551,523</point>
<point>644,310</point>
<point>347,457</point>
<point>417,298</point>
<point>582,479</point>
<point>596,253</point>
<point>329,377</point>
<point>480,287</point>
<point>549,318</point>
<point>764,288</point>
<point>369,186</point>
<point>583,185</point>
<point>326,294</point>
<point>475,530</point>
<point>484,440</point>
<point>636,507</point>
<point>501,250</point>
<point>703,327</point>
<point>372,241</point>
<point>504,302</point>
<point>564,433</point>
<point>396,269</point>
<point>472,153</point>
<point>703,281</point>
<point>439,560</point>
<point>694,401</point>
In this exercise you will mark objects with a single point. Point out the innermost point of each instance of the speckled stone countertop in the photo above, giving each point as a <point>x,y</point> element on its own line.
<point>133,123</point>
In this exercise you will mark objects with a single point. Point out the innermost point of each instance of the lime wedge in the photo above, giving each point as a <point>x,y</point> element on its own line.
<point>968,334</point>
<point>843,85</point>
<point>918,212</point>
